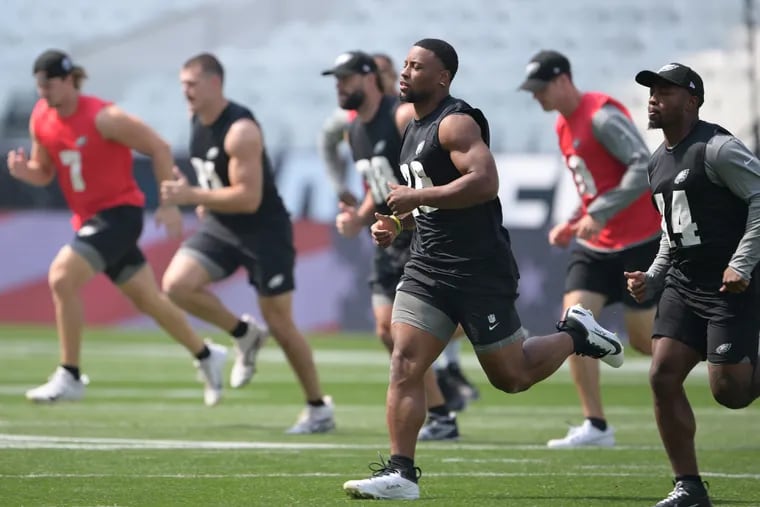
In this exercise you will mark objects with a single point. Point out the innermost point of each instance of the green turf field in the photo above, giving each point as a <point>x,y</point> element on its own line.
<point>142,437</point>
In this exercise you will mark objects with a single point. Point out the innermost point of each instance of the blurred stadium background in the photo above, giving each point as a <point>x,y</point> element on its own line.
<point>273,52</point>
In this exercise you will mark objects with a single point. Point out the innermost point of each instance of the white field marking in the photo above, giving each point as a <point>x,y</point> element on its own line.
<point>123,392</point>
<point>491,460</point>
<point>326,474</point>
<point>103,401</point>
<point>9,441</point>
<point>27,348</point>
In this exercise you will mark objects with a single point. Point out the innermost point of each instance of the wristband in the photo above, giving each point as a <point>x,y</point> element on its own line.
<point>399,226</point>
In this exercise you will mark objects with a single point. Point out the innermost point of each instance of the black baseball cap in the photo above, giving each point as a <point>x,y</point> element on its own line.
<point>677,74</point>
<point>352,62</point>
<point>54,63</point>
<point>542,68</point>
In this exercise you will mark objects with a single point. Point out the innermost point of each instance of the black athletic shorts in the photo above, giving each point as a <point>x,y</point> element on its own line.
<point>489,318</point>
<point>388,266</point>
<point>268,256</point>
<point>602,272</point>
<point>722,327</point>
<point>109,242</point>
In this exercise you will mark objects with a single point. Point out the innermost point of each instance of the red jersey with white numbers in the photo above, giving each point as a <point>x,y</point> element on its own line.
<point>596,171</point>
<point>94,173</point>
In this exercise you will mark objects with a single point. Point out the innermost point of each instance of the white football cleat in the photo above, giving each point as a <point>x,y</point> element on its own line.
<point>585,435</point>
<point>599,342</point>
<point>211,370</point>
<point>61,386</point>
<point>386,483</point>
<point>246,349</point>
<point>315,419</point>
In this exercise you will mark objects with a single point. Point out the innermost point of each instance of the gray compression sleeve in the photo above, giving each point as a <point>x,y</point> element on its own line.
<point>729,163</point>
<point>619,136</point>
<point>330,137</point>
<point>659,268</point>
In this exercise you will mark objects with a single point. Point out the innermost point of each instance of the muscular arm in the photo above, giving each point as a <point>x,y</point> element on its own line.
<point>118,126</point>
<point>366,210</point>
<point>244,145</point>
<point>39,169</point>
<point>619,136</point>
<point>459,134</point>
<point>329,139</point>
<point>730,164</point>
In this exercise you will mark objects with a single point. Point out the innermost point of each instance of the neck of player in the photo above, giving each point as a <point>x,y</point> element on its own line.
<point>210,114</point>
<point>427,106</point>
<point>68,106</point>
<point>571,103</point>
<point>674,134</point>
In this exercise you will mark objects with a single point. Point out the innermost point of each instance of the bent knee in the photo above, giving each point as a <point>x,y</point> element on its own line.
<point>731,400</point>
<point>510,382</point>
<point>176,287</point>
<point>730,393</point>
<point>405,367</point>
<point>60,281</point>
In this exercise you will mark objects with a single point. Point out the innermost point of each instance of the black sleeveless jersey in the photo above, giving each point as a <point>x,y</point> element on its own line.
<point>454,245</point>
<point>704,222</point>
<point>210,162</point>
<point>375,147</point>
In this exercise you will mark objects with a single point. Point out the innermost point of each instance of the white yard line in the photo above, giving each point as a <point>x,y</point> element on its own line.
<point>23,349</point>
<point>110,444</point>
<point>11,441</point>
<point>325,474</point>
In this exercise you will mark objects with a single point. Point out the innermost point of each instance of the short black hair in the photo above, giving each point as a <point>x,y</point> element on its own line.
<point>209,63</point>
<point>444,51</point>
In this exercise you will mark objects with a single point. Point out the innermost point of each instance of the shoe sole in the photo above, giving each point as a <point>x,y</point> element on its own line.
<point>359,495</point>
<point>580,446</point>
<point>446,439</point>
<point>326,429</point>
<point>48,401</point>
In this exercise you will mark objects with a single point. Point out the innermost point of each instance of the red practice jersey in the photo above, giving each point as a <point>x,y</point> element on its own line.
<point>596,171</point>
<point>94,173</point>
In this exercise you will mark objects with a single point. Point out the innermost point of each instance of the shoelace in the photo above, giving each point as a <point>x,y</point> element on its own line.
<point>680,490</point>
<point>385,468</point>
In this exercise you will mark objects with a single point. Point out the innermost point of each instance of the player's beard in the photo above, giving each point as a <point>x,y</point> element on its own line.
<point>354,100</point>
<point>413,97</point>
<point>654,123</point>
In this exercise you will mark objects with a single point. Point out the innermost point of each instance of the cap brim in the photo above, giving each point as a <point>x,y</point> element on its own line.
<point>338,72</point>
<point>533,85</point>
<point>648,78</point>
